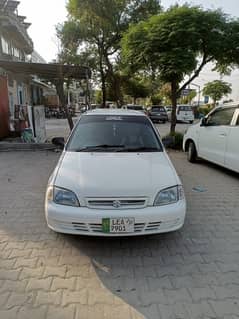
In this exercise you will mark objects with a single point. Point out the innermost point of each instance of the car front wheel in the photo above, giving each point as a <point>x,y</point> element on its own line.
<point>192,153</point>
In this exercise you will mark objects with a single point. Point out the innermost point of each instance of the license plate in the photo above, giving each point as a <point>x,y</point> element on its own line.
<point>118,225</point>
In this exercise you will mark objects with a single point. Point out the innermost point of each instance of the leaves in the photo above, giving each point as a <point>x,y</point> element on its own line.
<point>181,40</point>
<point>217,89</point>
<point>98,26</point>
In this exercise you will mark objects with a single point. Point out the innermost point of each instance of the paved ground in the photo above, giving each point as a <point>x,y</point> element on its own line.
<point>59,127</point>
<point>189,274</point>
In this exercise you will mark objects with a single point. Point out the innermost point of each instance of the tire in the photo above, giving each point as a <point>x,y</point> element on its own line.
<point>164,122</point>
<point>192,152</point>
<point>191,122</point>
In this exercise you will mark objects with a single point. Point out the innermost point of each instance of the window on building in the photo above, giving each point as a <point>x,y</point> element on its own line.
<point>6,46</point>
<point>16,53</point>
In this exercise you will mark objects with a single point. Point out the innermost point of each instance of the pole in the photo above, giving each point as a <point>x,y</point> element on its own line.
<point>88,102</point>
<point>199,95</point>
<point>199,92</point>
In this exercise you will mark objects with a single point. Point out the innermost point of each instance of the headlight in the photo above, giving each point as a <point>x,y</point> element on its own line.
<point>169,196</point>
<point>62,196</point>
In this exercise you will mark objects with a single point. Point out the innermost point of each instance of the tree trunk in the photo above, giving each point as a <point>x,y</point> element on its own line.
<point>115,82</point>
<point>60,92</point>
<point>174,106</point>
<point>135,100</point>
<point>103,88</point>
<point>103,84</point>
<point>103,77</point>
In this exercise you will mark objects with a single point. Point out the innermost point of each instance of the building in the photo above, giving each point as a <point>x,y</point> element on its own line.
<point>15,45</point>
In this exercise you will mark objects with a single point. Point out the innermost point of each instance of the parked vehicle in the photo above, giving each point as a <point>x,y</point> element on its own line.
<point>114,178</point>
<point>158,113</point>
<point>215,138</point>
<point>184,113</point>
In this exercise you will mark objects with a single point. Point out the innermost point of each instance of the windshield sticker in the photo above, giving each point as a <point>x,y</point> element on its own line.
<point>114,118</point>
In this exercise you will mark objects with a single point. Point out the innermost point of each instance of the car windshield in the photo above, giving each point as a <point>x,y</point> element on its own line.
<point>158,109</point>
<point>114,133</point>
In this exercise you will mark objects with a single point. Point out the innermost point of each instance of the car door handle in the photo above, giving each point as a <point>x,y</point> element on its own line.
<point>223,134</point>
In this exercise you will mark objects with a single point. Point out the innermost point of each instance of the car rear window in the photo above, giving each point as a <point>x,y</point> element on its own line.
<point>158,109</point>
<point>113,130</point>
<point>185,108</point>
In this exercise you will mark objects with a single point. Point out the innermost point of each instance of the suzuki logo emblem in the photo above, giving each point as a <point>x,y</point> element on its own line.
<point>116,204</point>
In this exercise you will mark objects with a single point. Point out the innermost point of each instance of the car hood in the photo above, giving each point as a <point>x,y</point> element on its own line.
<point>115,174</point>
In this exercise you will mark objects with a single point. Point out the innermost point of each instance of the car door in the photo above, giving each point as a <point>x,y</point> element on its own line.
<point>232,148</point>
<point>213,135</point>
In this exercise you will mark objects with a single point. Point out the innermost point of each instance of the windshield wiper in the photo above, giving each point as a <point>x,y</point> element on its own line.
<point>139,149</point>
<point>98,148</point>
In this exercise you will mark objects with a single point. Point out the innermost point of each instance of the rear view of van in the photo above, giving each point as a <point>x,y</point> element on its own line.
<point>185,113</point>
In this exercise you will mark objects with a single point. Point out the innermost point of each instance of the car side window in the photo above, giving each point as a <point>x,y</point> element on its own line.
<point>221,117</point>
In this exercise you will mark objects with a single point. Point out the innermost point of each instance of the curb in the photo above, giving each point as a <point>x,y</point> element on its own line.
<point>26,146</point>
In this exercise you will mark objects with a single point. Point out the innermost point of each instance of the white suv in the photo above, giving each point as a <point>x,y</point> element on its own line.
<point>215,138</point>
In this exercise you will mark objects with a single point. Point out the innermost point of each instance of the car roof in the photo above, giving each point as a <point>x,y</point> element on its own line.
<point>233,104</point>
<point>113,112</point>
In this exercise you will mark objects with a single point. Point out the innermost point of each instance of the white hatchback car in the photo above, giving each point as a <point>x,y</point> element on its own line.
<point>215,138</point>
<point>114,178</point>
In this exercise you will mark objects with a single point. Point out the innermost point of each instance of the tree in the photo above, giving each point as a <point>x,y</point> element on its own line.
<point>216,90</point>
<point>179,43</point>
<point>98,25</point>
<point>135,88</point>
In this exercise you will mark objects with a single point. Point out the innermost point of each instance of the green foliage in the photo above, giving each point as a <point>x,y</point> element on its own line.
<point>98,97</point>
<point>97,26</point>
<point>180,42</point>
<point>135,88</point>
<point>205,110</point>
<point>217,89</point>
<point>176,139</point>
<point>156,99</point>
<point>173,41</point>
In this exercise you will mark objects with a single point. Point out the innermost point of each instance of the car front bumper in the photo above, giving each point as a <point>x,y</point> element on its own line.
<point>88,221</point>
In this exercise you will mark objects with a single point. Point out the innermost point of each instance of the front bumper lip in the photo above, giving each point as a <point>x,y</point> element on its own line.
<point>86,221</point>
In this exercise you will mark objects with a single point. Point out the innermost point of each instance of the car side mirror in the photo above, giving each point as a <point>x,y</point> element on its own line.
<point>59,141</point>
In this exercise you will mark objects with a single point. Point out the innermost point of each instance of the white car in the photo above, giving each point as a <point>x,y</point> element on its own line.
<point>184,113</point>
<point>215,138</point>
<point>114,178</point>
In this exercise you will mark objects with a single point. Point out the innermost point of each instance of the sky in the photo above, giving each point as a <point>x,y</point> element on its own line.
<point>46,14</point>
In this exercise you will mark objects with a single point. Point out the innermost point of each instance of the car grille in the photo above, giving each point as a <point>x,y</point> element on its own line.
<point>97,227</point>
<point>116,203</point>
